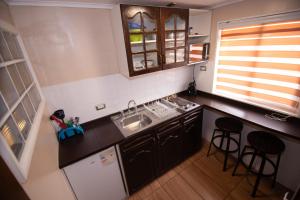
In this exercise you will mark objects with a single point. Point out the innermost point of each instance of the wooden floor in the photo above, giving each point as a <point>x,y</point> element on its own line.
<point>201,178</point>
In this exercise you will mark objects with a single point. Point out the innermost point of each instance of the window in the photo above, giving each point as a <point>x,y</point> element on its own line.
<point>20,101</point>
<point>260,64</point>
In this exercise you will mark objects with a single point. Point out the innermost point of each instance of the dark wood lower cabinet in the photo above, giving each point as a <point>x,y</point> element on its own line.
<point>139,163</point>
<point>192,133</point>
<point>169,148</point>
<point>153,152</point>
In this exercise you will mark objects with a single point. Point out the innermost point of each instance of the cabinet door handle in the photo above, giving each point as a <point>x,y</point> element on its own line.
<point>139,153</point>
<point>168,138</point>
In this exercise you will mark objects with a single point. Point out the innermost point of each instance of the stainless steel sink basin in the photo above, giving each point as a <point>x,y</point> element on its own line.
<point>136,122</point>
<point>143,117</point>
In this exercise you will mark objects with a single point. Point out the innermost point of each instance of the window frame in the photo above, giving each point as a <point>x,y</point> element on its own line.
<point>248,21</point>
<point>20,167</point>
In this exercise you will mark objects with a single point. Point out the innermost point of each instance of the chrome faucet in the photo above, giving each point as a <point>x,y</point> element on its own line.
<point>134,106</point>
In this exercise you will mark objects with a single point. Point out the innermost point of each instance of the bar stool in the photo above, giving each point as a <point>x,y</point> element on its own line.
<point>226,127</point>
<point>261,144</point>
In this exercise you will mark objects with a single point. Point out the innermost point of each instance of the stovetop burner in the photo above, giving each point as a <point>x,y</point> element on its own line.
<point>181,104</point>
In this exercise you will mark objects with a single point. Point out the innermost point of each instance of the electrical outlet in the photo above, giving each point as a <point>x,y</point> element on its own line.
<point>100,106</point>
<point>202,68</point>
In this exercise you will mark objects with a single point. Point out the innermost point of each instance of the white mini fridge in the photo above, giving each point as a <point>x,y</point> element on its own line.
<point>97,177</point>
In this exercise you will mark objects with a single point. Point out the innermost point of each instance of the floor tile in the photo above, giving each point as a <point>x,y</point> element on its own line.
<point>178,189</point>
<point>135,196</point>
<point>159,194</point>
<point>179,168</point>
<point>203,184</point>
<point>244,189</point>
<point>148,189</point>
<point>166,177</point>
<point>212,168</point>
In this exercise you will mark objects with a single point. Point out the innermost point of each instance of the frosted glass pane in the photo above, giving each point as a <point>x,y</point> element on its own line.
<point>4,52</point>
<point>180,39</point>
<point>152,60</point>
<point>28,107</point>
<point>180,23</point>
<point>12,137</point>
<point>35,97</point>
<point>138,62</point>
<point>3,108</point>
<point>13,45</point>
<point>13,71</point>
<point>6,88</point>
<point>25,74</point>
<point>169,41</point>
<point>151,42</point>
<point>170,56</point>
<point>134,24</point>
<point>149,23</point>
<point>170,23</point>
<point>180,55</point>
<point>22,120</point>
<point>136,41</point>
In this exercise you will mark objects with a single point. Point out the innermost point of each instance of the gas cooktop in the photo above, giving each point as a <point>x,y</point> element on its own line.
<point>180,104</point>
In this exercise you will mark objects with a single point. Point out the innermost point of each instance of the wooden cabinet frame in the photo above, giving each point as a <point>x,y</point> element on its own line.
<point>165,14</point>
<point>160,15</point>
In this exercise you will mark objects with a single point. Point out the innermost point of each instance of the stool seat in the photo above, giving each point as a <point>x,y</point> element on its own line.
<point>227,129</point>
<point>229,124</point>
<point>261,145</point>
<point>265,142</point>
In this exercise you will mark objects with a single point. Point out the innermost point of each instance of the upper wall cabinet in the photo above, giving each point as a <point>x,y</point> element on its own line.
<point>142,38</point>
<point>174,25</point>
<point>152,38</point>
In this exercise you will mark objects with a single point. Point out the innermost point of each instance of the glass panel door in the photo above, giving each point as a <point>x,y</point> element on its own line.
<point>175,35</point>
<point>142,23</point>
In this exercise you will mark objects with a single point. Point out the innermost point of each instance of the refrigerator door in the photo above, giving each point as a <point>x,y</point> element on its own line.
<point>97,177</point>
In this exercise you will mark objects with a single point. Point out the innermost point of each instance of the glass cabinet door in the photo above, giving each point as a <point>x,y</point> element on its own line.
<point>142,37</point>
<point>175,26</point>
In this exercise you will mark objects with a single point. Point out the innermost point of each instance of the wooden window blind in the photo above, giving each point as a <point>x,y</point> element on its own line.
<point>195,54</point>
<point>261,64</point>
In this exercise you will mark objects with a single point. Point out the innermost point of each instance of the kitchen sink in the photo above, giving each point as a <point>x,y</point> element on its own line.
<point>136,122</point>
<point>137,118</point>
<point>145,116</point>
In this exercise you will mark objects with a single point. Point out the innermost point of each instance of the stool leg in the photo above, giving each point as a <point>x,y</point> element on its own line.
<point>212,138</point>
<point>261,169</point>
<point>251,161</point>
<point>276,170</point>
<point>227,151</point>
<point>239,151</point>
<point>238,161</point>
<point>222,140</point>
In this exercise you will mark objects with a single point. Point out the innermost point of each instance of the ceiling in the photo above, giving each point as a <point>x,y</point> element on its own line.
<point>179,3</point>
<point>183,3</point>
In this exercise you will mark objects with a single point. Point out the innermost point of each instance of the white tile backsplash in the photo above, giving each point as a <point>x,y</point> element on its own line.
<point>80,97</point>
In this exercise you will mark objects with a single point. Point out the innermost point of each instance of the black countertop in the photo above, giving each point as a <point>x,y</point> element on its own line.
<point>99,134</point>
<point>102,133</point>
<point>248,113</point>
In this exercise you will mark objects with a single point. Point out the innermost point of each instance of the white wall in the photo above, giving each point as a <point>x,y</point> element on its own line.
<point>80,97</point>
